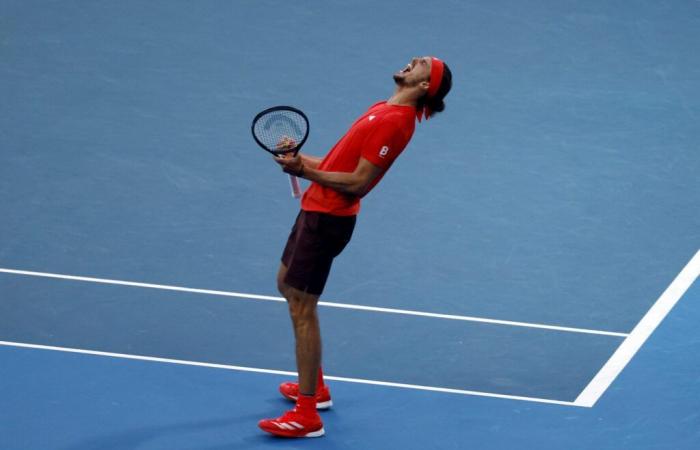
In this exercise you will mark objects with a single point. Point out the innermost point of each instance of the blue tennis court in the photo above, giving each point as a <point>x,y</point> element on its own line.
<point>523,277</point>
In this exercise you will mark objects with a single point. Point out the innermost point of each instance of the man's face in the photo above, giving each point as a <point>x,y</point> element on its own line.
<point>417,71</point>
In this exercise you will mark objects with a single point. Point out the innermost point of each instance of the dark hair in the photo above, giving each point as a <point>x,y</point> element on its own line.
<point>436,103</point>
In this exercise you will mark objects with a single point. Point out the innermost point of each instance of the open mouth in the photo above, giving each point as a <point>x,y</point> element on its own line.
<point>407,68</point>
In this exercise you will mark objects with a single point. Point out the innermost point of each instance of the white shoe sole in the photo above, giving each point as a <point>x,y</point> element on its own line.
<point>324,405</point>
<point>314,434</point>
<point>319,405</point>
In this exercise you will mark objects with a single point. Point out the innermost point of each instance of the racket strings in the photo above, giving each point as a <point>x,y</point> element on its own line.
<point>280,131</point>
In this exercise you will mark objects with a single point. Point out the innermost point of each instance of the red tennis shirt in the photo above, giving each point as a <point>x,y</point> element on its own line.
<point>379,136</point>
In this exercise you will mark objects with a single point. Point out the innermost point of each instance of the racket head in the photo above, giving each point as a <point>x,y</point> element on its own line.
<point>272,125</point>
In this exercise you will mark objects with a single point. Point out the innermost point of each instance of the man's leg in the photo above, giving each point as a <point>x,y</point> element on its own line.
<point>307,332</point>
<point>303,420</point>
<point>313,242</point>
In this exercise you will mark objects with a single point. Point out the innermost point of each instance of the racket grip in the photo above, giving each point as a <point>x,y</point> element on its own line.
<point>294,185</point>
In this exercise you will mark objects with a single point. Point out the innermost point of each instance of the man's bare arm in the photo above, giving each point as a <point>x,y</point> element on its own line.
<point>355,183</point>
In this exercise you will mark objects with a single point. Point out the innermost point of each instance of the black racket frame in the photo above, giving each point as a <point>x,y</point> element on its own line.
<point>294,150</point>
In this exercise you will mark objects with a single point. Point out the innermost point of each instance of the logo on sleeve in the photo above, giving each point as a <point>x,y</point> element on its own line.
<point>371,118</point>
<point>384,151</point>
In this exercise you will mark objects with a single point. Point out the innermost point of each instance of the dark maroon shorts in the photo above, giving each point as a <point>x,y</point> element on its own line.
<point>315,240</point>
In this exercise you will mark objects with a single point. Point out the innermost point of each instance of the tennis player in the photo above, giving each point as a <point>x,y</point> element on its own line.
<point>327,219</point>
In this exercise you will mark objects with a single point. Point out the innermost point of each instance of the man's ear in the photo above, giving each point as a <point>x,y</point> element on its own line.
<point>424,85</point>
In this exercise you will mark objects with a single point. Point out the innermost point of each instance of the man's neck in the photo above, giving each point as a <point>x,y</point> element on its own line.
<point>402,97</point>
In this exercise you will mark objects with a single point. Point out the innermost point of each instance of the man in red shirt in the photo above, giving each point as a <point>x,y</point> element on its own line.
<point>327,218</point>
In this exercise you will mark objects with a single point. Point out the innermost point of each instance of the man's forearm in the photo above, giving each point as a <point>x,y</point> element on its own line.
<point>311,161</point>
<point>344,182</point>
<point>356,183</point>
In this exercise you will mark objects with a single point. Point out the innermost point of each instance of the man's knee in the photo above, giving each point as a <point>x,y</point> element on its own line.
<point>302,305</point>
<point>282,287</point>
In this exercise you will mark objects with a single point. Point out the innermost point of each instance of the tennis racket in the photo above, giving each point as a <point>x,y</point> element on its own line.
<point>282,130</point>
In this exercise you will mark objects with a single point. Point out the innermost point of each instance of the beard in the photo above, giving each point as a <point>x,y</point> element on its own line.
<point>400,80</point>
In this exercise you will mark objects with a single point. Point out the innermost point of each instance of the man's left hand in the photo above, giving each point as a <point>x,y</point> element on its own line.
<point>291,164</point>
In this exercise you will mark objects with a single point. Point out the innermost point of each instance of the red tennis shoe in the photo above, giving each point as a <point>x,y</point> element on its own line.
<point>290,391</point>
<point>294,424</point>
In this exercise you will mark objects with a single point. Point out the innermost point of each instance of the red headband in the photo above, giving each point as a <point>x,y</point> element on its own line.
<point>436,69</point>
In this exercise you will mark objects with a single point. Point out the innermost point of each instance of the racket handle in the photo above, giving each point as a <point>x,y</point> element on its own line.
<point>294,184</point>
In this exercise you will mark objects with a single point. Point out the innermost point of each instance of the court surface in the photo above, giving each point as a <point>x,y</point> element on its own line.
<point>524,276</point>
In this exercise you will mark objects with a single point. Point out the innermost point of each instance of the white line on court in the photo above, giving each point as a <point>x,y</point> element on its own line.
<point>327,304</point>
<point>629,347</point>
<point>282,372</point>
